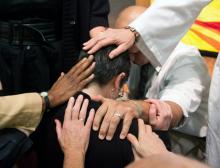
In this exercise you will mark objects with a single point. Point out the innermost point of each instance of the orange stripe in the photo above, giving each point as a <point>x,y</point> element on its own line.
<point>211,41</point>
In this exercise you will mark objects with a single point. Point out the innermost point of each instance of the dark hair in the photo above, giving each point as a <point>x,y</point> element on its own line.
<point>107,68</point>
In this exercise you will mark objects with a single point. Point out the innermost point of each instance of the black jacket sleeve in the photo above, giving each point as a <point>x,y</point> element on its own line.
<point>99,13</point>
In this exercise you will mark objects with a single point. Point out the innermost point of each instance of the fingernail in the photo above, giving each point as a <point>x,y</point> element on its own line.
<point>110,56</point>
<point>90,56</point>
<point>92,76</point>
<point>109,138</point>
<point>122,136</point>
<point>95,128</point>
<point>101,137</point>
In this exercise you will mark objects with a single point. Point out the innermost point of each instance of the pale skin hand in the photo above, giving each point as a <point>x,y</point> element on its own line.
<point>148,143</point>
<point>74,135</point>
<point>157,114</point>
<point>123,38</point>
<point>160,114</point>
<point>96,31</point>
<point>68,84</point>
<point>110,121</point>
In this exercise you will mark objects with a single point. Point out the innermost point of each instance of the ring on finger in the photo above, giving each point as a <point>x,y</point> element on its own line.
<point>117,114</point>
<point>81,119</point>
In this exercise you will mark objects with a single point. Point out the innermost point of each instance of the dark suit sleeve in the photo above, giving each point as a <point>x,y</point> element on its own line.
<point>99,13</point>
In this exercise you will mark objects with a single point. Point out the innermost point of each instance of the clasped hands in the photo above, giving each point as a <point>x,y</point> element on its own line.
<point>107,117</point>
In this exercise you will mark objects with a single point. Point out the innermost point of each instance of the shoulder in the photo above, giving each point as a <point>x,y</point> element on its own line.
<point>188,56</point>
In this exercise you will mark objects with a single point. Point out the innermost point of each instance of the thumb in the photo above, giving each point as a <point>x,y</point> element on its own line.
<point>58,129</point>
<point>136,155</point>
<point>133,141</point>
<point>98,98</point>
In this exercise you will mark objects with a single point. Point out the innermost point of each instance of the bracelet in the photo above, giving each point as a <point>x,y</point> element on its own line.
<point>133,30</point>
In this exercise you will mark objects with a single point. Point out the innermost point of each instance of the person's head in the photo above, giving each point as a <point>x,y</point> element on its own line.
<point>110,74</point>
<point>125,17</point>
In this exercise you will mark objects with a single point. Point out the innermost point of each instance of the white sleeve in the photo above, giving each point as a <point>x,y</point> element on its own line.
<point>163,25</point>
<point>186,83</point>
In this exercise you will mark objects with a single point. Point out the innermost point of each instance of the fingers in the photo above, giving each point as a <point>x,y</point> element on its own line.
<point>87,72</point>
<point>76,107</point>
<point>77,66</point>
<point>82,67</point>
<point>120,49</point>
<point>126,126</point>
<point>136,156</point>
<point>98,98</point>
<point>105,123</point>
<point>87,80</point>
<point>61,76</point>
<point>148,129</point>
<point>58,129</point>
<point>83,110</point>
<point>68,111</point>
<point>90,119</point>
<point>102,110</point>
<point>163,115</point>
<point>141,128</point>
<point>89,44</point>
<point>112,127</point>
<point>100,43</point>
<point>133,140</point>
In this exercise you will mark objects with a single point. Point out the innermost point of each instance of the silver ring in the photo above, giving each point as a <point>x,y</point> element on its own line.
<point>118,115</point>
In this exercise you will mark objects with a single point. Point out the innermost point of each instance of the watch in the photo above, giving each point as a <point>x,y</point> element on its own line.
<point>44,95</point>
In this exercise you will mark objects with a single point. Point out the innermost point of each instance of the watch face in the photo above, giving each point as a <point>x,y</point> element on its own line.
<point>44,94</point>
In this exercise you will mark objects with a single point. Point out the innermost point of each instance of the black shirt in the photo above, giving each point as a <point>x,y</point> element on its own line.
<point>100,153</point>
<point>20,9</point>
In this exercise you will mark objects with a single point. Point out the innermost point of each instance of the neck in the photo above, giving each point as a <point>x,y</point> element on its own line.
<point>94,89</point>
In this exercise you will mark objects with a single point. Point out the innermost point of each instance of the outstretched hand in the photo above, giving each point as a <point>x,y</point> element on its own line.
<point>68,84</point>
<point>74,135</point>
<point>147,143</point>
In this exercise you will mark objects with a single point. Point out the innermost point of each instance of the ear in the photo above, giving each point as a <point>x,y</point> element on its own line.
<point>118,80</point>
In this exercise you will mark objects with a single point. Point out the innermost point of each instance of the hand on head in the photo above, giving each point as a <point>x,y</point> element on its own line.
<point>123,38</point>
<point>73,135</point>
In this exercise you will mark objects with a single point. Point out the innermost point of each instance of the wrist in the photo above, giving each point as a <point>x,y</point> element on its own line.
<point>51,99</point>
<point>74,154</point>
<point>74,159</point>
<point>45,101</point>
<point>137,107</point>
<point>145,110</point>
<point>134,31</point>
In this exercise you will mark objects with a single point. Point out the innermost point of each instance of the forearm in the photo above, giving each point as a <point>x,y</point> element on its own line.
<point>73,160</point>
